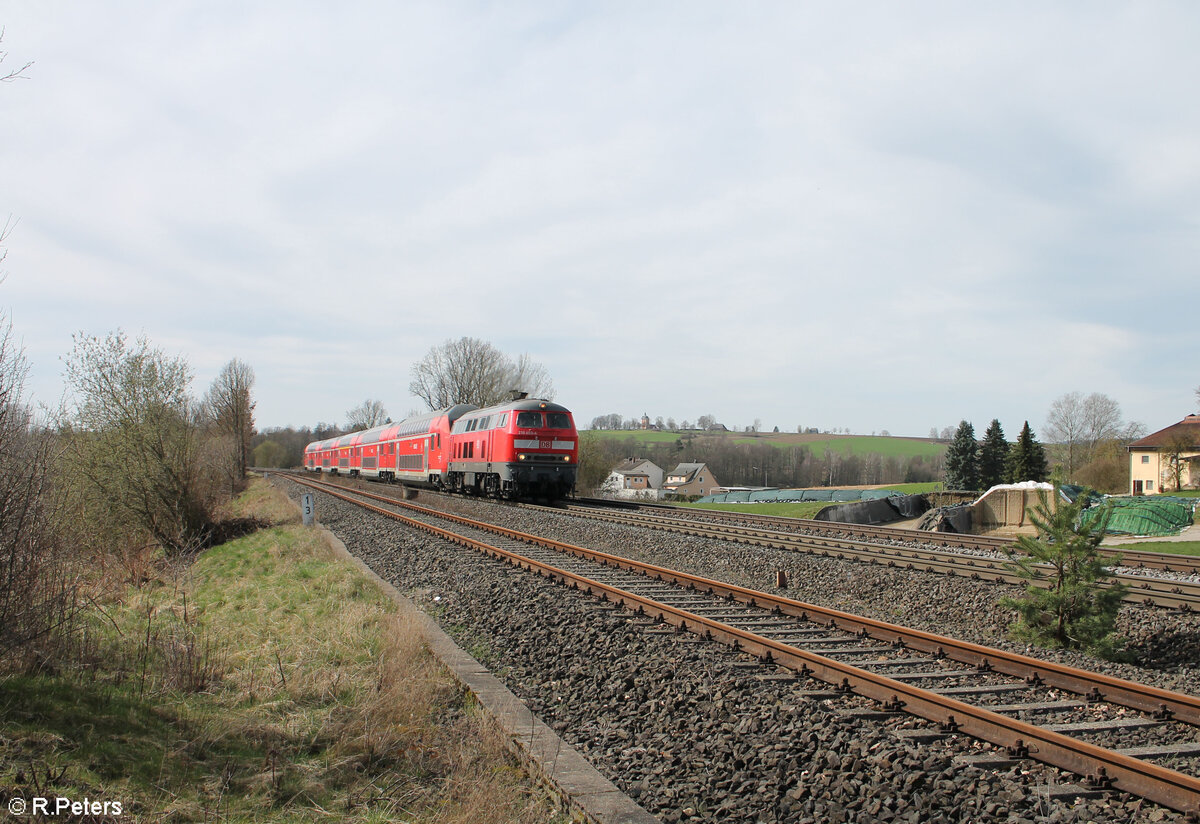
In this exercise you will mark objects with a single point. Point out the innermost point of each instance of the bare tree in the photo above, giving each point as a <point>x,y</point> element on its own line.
<point>1176,450</point>
<point>367,415</point>
<point>37,587</point>
<point>15,74</point>
<point>1076,424</point>
<point>1064,429</point>
<point>231,406</point>
<point>469,370</point>
<point>527,376</point>
<point>705,422</point>
<point>1102,420</point>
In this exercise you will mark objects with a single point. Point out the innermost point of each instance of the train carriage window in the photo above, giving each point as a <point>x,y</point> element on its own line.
<point>503,420</point>
<point>558,420</point>
<point>529,419</point>
<point>486,423</point>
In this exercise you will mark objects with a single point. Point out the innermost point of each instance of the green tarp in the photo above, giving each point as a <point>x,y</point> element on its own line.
<point>1159,515</point>
<point>791,495</point>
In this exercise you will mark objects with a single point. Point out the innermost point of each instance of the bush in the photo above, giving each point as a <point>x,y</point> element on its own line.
<point>139,461</point>
<point>38,592</point>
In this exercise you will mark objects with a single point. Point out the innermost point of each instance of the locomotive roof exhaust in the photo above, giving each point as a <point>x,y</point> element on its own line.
<point>517,395</point>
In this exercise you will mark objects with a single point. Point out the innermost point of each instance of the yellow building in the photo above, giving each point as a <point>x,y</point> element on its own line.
<point>690,479</point>
<point>1157,460</point>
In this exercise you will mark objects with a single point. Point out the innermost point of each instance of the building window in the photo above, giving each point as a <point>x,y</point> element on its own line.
<point>1149,485</point>
<point>1145,459</point>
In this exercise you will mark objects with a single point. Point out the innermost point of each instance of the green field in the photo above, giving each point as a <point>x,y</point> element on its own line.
<point>817,444</point>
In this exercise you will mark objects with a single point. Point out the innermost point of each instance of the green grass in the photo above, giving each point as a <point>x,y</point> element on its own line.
<point>269,681</point>
<point>1171,547</point>
<point>915,489</point>
<point>816,444</point>
<point>805,509</point>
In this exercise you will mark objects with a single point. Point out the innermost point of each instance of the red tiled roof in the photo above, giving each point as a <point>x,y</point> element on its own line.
<point>1189,426</point>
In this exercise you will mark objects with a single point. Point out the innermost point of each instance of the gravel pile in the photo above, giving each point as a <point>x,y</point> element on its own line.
<point>691,730</point>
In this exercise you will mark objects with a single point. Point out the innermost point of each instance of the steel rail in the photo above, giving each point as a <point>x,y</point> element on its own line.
<point>1129,557</point>
<point>1102,768</point>
<point>1142,589</point>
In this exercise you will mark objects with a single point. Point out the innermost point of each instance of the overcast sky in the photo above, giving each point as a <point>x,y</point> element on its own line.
<point>865,215</point>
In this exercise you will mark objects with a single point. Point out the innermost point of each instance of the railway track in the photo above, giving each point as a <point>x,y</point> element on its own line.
<point>1174,593</point>
<point>1009,700</point>
<point>1140,559</point>
<point>896,548</point>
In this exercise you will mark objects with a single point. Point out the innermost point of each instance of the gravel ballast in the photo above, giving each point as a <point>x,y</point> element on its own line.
<point>695,732</point>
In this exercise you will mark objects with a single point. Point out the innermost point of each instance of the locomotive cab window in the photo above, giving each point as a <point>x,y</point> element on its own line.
<point>530,420</point>
<point>558,420</point>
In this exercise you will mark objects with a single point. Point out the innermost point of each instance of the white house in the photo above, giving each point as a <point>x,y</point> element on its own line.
<point>634,478</point>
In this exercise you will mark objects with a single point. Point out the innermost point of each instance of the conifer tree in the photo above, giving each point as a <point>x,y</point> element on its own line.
<point>1069,602</point>
<point>992,456</point>
<point>1027,460</point>
<point>962,459</point>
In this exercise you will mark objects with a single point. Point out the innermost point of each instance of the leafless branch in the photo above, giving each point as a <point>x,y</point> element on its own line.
<point>16,74</point>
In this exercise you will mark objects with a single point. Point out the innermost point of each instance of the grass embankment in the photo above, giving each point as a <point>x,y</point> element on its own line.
<point>267,681</point>
<point>1151,545</point>
<point>802,509</point>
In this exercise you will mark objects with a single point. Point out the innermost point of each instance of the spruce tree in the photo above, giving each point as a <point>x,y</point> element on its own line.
<point>1027,460</point>
<point>962,459</point>
<point>992,456</point>
<point>1070,601</point>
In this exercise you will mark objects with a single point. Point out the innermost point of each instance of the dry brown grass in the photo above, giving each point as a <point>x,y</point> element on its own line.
<point>270,680</point>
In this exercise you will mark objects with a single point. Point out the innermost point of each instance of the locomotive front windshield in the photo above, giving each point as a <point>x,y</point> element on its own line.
<point>533,420</point>
<point>529,420</point>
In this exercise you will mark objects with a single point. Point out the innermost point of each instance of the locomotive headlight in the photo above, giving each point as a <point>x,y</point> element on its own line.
<point>521,456</point>
<point>567,458</point>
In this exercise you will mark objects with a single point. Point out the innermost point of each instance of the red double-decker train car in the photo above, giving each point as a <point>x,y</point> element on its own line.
<point>525,448</point>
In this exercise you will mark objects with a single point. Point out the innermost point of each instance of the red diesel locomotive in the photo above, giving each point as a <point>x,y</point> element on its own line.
<point>524,448</point>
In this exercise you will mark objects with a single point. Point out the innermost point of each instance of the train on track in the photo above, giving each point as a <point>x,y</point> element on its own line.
<point>524,448</point>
